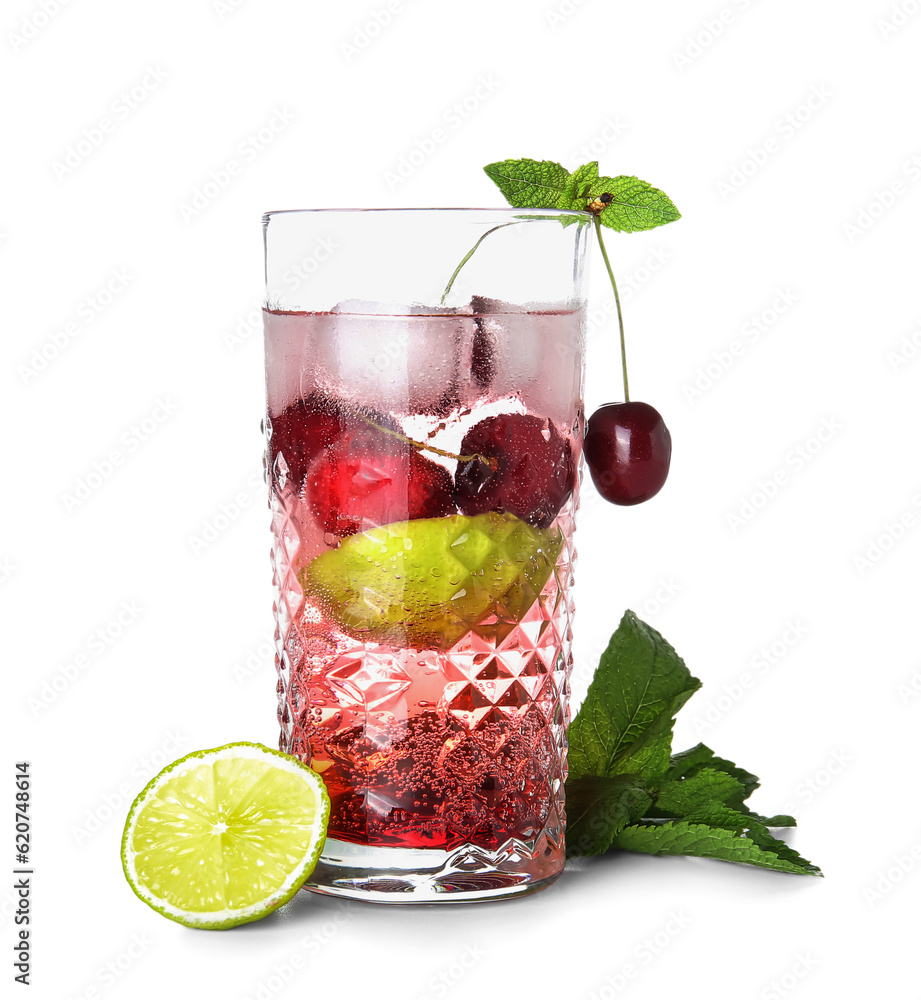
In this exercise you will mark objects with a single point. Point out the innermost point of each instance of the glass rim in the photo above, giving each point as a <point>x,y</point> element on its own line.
<point>503,211</point>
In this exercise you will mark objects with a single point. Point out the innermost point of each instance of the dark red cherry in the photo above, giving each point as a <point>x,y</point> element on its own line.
<point>366,478</point>
<point>628,449</point>
<point>483,353</point>
<point>300,432</point>
<point>529,470</point>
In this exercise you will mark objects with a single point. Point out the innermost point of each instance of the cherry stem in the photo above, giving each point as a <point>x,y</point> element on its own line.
<point>491,463</point>
<point>620,315</point>
<point>470,253</point>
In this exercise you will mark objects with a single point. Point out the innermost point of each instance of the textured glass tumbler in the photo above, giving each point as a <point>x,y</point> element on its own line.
<point>424,434</point>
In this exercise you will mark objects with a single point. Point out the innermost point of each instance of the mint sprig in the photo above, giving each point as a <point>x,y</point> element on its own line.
<point>626,789</point>
<point>633,206</point>
<point>625,204</point>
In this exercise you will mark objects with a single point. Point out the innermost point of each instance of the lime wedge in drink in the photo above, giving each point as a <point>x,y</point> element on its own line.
<point>225,836</point>
<point>425,583</point>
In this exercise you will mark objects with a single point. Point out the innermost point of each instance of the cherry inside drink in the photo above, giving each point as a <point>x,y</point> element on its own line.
<point>424,475</point>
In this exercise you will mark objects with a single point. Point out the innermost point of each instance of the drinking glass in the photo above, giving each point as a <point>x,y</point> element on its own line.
<point>424,429</point>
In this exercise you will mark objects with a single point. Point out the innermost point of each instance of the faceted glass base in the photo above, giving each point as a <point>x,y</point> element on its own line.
<point>467,874</point>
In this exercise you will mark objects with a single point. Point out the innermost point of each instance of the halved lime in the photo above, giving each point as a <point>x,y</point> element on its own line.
<point>425,583</point>
<point>225,836</point>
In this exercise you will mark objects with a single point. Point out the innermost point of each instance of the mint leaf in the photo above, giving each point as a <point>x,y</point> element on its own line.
<point>758,833</point>
<point>748,780</point>
<point>781,819</point>
<point>598,808</point>
<point>700,759</point>
<point>690,762</point>
<point>530,183</point>
<point>716,814</point>
<point>627,790</point>
<point>640,683</point>
<point>684,796</point>
<point>648,757</point>
<point>576,195</point>
<point>636,205</point>
<point>703,841</point>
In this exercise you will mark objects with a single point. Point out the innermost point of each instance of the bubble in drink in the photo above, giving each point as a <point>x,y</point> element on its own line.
<point>424,636</point>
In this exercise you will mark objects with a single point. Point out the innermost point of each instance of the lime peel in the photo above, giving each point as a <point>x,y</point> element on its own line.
<point>426,582</point>
<point>225,836</point>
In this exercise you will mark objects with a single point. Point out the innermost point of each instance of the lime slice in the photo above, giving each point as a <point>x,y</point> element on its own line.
<point>425,583</point>
<point>224,836</point>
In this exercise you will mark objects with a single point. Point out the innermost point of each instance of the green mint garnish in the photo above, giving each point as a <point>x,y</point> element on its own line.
<point>625,204</point>
<point>531,183</point>
<point>627,790</point>
<point>633,205</point>
<point>702,841</point>
<point>639,685</point>
<point>597,809</point>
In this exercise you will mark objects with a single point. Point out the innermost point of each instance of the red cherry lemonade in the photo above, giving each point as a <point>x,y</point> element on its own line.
<point>424,475</point>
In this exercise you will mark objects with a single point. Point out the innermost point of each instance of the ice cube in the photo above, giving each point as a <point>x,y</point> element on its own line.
<point>407,362</point>
<point>531,351</point>
<point>290,348</point>
<point>365,307</point>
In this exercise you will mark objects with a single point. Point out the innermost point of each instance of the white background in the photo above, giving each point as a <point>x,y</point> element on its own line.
<point>814,208</point>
